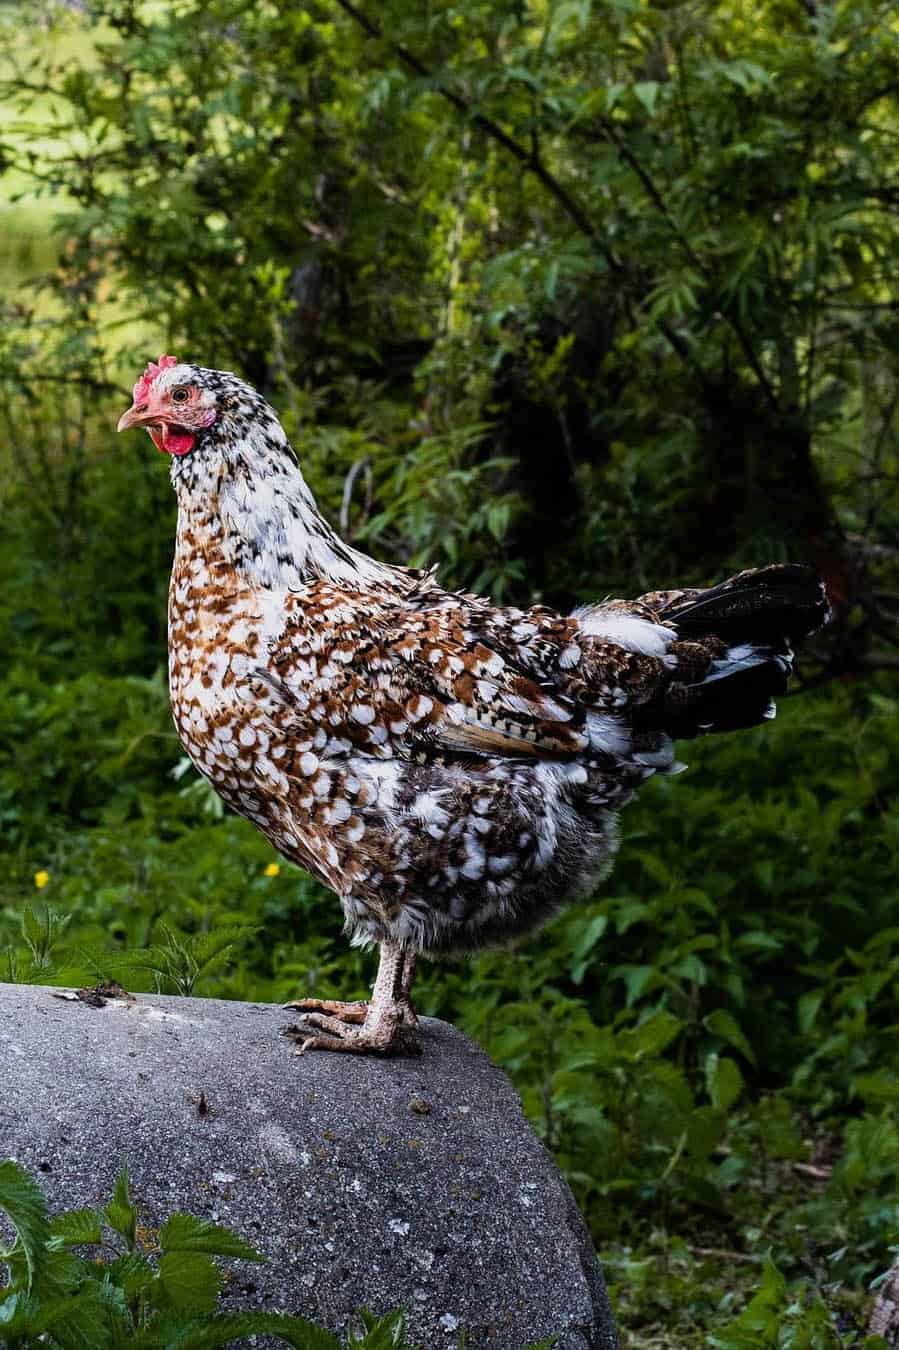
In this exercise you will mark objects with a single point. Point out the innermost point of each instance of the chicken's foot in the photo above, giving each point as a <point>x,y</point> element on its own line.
<point>383,1026</point>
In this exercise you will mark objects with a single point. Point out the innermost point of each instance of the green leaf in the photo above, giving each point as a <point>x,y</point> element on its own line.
<point>877,1087</point>
<point>568,12</point>
<point>295,1331</point>
<point>723,1024</point>
<point>34,932</point>
<point>756,1326</point>
<point>651,1036</point>
<point>131,1272</point>
<point>82,1320</point>
<point>380,1333</point>
<point>23,1202</point>
<point>10,1308</point>
<point>584,947</point>
<point>706,1128</point>
<point>723,1081</point>
<point>638,980</point>
<point>184,1233</point>
<point>119,1213</point>
<point>808,1008</point>
<point>77,1226</point>
<point>647,92</point>
<point>778,1130</point>
<point>189,1280</point>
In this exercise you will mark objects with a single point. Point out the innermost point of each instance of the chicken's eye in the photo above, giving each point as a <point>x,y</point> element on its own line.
<point>180,394</point>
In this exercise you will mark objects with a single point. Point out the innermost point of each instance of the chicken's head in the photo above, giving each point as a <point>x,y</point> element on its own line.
<point>174,403</point>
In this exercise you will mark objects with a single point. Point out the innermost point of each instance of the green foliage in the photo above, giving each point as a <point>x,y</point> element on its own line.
<point>23,1203</point>
<point>74,1285</point>
<point>783,1319</point>
<point>589,298</point>
<point>659,237</point>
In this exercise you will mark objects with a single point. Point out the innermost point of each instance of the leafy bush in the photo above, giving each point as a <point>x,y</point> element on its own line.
<point>92,1279</point>
<point>589,299</point>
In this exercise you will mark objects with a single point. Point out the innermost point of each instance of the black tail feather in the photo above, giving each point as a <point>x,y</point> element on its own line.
<point>783,602</point>
<point>759,615</point>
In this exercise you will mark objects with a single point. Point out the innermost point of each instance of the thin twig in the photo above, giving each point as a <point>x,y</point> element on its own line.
<point>724,1254</point>
<point>812,1170</point>
<point>658,201</point>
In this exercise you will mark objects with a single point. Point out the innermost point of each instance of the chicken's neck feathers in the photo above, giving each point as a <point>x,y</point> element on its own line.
<point>243,502</point>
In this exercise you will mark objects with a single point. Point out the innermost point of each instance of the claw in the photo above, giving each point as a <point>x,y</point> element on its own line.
<point>382,1026</point>
<point>378,1036</point>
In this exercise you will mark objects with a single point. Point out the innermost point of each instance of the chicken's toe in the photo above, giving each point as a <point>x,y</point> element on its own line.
<point>377,1035</point>
<point>344,1012</point>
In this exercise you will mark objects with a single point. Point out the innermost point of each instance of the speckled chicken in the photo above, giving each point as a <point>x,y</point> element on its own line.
<point>451,769</point>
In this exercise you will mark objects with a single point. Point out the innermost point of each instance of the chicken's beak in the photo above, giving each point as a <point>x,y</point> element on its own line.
<point>136,416</point>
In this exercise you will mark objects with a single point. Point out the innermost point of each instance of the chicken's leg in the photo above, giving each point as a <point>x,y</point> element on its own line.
<point>383,1026</point>
<point>404,998</point>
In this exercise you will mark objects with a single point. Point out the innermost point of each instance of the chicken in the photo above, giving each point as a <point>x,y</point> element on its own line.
<point>452,770</point>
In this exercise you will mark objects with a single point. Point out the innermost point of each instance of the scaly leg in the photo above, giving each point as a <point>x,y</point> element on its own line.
<point>381,1027</point>
<point>404,998</point>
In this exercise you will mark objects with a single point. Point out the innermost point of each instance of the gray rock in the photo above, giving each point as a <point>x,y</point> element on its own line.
<point>367,1183</point>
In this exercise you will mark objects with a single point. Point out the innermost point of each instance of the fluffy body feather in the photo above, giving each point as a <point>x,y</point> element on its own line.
<point>451,769</point>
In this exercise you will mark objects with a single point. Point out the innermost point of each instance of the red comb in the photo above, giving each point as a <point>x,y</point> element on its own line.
<point>154,368</point>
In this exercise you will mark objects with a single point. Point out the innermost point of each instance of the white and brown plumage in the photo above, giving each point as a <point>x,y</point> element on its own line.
<point>452,770</point>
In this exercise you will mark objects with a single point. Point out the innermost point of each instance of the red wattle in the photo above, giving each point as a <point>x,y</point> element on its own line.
<point>170,442</point>
<point>177,442</point>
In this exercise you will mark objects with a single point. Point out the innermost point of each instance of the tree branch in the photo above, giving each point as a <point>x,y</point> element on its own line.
<point>658,201</point>
<point>532,163</point>
<point>35,381</point>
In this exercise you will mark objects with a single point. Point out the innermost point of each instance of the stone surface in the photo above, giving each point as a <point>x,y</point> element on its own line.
<point>367,1183</point>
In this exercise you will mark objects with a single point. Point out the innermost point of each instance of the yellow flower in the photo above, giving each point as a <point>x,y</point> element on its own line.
<point>273,870</point>
<point>40,879</point>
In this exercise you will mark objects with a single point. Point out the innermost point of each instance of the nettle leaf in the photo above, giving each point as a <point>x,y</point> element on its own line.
<point>381,1333</point>
<point>63,1271</point>
<point>120,1214</point>
<point>131,1273</point>
<point>23,1202</point>
<point>80,1321</point>
<point>184,1233</point>
<point>293,1331</point>
<point>189,1281</point>
<point>17,1317</point>
<point>78,1226</point>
